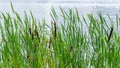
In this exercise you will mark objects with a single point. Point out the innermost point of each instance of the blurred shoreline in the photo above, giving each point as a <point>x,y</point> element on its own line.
<point>42,10</point>
<point>66,4</point>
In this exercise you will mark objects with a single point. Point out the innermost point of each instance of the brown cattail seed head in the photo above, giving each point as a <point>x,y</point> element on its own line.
<point>55,29</point>
<point>111,31</point>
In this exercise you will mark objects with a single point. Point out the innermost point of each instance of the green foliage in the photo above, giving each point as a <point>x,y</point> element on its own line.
<point>74,43</point>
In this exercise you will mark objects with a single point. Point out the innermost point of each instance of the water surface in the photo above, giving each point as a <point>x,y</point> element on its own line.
<point>42,8</point>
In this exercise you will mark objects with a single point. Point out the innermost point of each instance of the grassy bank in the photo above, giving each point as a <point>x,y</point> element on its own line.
<point>73,43</point>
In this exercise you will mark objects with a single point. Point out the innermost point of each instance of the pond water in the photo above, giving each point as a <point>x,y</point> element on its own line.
<point>64,1</point>
<point>42,10</point>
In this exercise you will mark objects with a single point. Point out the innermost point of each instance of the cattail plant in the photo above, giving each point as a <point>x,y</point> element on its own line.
<point>36,31</point>
<point>110,35</point>
<point>55,29</point>
<point>50,41</point>
<point>31,33</point>
<point>71,48</point>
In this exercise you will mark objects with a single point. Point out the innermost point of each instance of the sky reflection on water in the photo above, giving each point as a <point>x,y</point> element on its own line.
<point>42,8</point>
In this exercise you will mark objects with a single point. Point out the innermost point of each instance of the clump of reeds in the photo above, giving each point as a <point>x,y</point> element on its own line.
<point>77,42</point>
